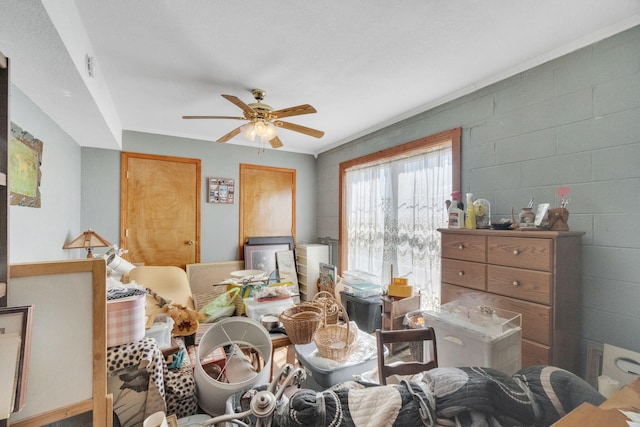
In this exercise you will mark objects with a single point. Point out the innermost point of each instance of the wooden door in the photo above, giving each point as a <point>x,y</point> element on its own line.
<point>160,209</point>
<point>267,202</point>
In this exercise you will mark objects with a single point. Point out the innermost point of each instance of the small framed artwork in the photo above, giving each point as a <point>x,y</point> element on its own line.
<point>327,275</point>
<point>25,159</point>
<point>262,257</point>
<point>541,213</point>
<point>15,335</point>
<point>221,190</point>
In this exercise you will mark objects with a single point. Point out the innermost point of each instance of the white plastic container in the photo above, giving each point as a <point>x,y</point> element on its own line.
<point>477,336</point>
<point>255,309</point>
<point>363,290</point>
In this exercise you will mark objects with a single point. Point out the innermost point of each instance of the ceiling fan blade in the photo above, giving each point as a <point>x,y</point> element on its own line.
<point>298,128</point>
<point>230,135</point>
<point>250,112</point>
<point>294,111</point>
<point>213,117</point>
<point>275,142</point>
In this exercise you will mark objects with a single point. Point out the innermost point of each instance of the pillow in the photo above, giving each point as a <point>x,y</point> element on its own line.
<point>135,394</point>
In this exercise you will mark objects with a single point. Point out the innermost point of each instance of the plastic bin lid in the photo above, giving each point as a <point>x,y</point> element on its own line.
<point>484,319</point>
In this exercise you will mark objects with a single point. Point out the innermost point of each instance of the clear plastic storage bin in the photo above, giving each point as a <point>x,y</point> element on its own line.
<point>255,309</point>
<point>161,331</point>
<point>468,335</point>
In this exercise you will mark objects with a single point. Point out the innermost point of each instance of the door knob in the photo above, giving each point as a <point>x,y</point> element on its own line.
<point>190,242</point>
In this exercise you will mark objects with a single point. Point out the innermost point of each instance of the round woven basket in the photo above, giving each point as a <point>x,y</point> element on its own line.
<point>335,341</point>
<point>301,322</point>
<point>327,302</point>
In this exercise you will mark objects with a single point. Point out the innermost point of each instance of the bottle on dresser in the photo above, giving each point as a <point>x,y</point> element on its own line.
<point>455,211</point>
<point>470,217</point>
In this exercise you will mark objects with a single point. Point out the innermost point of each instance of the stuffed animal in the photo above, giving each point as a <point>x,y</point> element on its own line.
<point>185,320</point>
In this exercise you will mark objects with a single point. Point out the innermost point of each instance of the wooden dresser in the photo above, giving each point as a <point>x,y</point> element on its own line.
<point>535,273</point>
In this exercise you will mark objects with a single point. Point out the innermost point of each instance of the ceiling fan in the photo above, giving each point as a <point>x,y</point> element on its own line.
<point>263,120</point>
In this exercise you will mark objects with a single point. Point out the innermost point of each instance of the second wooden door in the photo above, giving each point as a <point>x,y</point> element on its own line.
<point>267,202</point>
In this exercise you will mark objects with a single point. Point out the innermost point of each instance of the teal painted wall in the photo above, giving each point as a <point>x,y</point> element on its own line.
<point>574,122</point>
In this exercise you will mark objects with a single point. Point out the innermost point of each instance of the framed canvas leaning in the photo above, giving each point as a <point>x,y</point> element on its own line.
<point>541,213</point>
<point>15,326</point>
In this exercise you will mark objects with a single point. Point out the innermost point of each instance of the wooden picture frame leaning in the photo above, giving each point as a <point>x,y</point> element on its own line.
<point>18,320</point>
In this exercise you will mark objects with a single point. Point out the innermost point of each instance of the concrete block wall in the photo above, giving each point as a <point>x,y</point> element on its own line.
<point>575,122</point>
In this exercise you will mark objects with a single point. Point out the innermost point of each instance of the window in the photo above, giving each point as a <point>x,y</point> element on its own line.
<point>391,205</point>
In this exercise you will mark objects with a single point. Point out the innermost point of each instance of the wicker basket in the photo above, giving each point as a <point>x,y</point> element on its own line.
<point>301,322</point>
<point>326,301</point>
<point>335,341</point>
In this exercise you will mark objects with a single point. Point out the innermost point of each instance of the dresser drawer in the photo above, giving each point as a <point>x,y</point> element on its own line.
<point>530,285</point>
<point>536,318</point>
<point>464,247</point>
<point>536,254</point>
<point>535,354</point>
<point>464,273</point>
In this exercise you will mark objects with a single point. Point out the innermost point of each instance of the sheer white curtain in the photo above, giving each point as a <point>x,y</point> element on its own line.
<point>393,212</point>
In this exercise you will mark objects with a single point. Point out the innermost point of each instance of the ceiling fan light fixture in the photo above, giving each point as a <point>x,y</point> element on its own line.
<point>260,128</point>
<point>263,121</point>
<point>248,131</point>
<point>269,133</point>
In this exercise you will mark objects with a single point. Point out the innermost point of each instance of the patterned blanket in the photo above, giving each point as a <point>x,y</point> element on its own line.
<point>462,397</point>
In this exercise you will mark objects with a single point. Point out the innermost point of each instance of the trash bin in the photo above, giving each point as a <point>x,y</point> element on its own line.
<point>366,312</point>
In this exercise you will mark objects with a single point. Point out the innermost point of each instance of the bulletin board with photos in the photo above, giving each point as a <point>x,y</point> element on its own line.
<point>221,190</point>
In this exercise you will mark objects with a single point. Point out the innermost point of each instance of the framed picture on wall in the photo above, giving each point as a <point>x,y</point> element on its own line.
<point>221,190</point>
<point>25,159</point>
<point>15,339</point>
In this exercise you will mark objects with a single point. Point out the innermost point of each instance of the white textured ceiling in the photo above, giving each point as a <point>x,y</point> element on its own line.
<point>363,64</point>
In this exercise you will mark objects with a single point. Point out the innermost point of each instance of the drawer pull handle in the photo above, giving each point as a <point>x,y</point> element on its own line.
<point>516,252</point>
<point>516,283</point>
<point>460,273</point>
<point>461,247</point>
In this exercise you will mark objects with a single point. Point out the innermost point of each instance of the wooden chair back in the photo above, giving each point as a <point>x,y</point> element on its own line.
<point>416,336</point>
